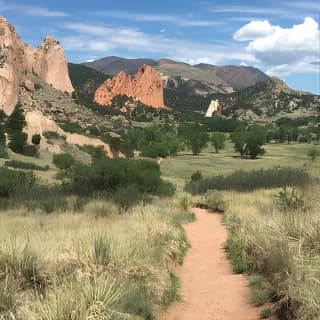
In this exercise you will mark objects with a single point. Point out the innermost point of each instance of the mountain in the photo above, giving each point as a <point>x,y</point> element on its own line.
<point>238,77</point>
<point>191,79</point>
<point>146,85</point>
<point>20,64</point>
<point>113,65</point>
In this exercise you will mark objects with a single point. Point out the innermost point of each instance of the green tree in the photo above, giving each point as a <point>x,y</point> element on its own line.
<point>254,141</point>
<point>36,138</point>
<point>195,137</point>
<point>313,154</point>
<point>249,143</point>
<point>17,142</point>
<point>239,140</point>
<point>218,140</point>
<point>16,120</point>
<point>2,136</point>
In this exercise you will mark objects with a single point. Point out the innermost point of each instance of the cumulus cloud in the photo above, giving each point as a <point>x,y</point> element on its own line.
<point>283,49</point>
<point>100,39</point>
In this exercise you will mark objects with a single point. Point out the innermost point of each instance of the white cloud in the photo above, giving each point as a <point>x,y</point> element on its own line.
<point>187,21</point>
<point>281,49</point>
<point>31,10</point>
<point>254,30</point>
<point>248,10</point>
<point>99,39</point>
<point>163,30</point>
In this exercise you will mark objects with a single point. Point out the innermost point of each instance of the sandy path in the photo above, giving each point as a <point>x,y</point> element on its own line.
<point>210,291</point>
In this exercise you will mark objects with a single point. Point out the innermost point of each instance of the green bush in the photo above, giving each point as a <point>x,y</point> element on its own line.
<point>63,161</point>
<point>196,176</point>
<point>30,151</point>
<point>51,135</point>
<point>252,180</point>
<point>14,181</point>
<point>36,138</point>
<point>3,152</point>
<point>25,165</point>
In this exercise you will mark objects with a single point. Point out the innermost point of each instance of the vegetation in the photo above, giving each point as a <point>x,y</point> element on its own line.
<point>218,140</point>
<point>252,180</point>
<point>25,165</point>
<point>195,137</point>
<point>278,245</point>
<point>36,138</point>
<point>63,161</point>
<point>114,267</point>
<point>249,142</point>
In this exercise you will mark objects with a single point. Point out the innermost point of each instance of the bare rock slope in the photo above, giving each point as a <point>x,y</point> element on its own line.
<point>19,63</point>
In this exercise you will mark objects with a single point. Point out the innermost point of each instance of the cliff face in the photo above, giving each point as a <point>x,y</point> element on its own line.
<point>19,62</point>
<point>146,85</point>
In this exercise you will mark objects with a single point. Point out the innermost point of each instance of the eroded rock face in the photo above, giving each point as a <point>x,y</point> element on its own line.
<point>146,85</point>
<point>19,62</point>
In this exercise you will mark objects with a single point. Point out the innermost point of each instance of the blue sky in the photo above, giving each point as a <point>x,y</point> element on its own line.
<point>279,37</point>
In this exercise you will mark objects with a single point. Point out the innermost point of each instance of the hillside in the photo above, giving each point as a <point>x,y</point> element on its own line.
<point>213,78</point>
<point>265,101</point>
<point>113,65</point>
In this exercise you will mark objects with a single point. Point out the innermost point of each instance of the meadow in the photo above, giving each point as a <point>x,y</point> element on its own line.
<point>94,261</point>
<point>179,169</point>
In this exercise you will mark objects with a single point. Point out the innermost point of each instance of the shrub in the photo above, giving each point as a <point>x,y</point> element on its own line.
<point>63,161</point>
<point>266,313</point>
<point>13,181</point>
<point>213,200</point>
<point>111,174</point>
<point>3,152</point>
<point>30,151</point>
<point>8,299</point>
<point>24,265</point>
<point>36,138</point>
<point>313,154</point>
<point>51,135</point>
<point>137,301</point>
<point>196,176</point>
<point>252,180</point>
<point>25,165</point>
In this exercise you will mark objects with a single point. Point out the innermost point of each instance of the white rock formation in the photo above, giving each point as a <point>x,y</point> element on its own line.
<point>213,107</point>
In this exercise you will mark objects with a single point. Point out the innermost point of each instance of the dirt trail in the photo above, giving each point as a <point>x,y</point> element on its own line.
<point>210,291</point>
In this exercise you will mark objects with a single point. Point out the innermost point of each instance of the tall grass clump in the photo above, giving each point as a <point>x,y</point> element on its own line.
<point>252,180</point>
<point>281,245</point>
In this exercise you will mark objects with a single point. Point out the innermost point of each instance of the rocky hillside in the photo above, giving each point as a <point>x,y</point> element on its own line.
<point>19,63</point>
<point>146,85</point>
<point>198,79</point>
<point>264,101</point>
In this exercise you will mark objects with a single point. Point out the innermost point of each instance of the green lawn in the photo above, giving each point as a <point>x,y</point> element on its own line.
<point>178,169</point>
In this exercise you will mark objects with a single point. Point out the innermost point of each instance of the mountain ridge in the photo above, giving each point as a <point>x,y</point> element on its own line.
<point>217,78</point>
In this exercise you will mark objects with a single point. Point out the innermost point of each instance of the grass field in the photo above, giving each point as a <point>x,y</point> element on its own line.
<point>180,168</point>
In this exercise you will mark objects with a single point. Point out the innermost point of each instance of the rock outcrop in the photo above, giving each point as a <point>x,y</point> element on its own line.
<point>37,123</point>
<point>213,109</point>
<point>146,85</point>
<point>20,64</point>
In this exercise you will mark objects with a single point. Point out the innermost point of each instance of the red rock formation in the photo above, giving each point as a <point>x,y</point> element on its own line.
<point>20,62</point>
<point>146,85</point>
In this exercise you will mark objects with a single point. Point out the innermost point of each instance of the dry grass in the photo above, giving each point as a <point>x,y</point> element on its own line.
<point>282,243</point>
<point>90,263</point>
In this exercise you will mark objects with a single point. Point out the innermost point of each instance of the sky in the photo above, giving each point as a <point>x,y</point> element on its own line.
<point>281,38</point>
